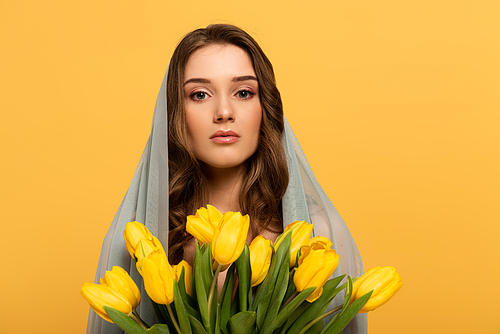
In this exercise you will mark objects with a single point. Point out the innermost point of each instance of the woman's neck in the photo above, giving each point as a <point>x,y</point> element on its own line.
<point>225,187</point>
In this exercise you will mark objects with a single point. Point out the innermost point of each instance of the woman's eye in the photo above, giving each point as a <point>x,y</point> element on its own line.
<point>245,94</point>
<point>199,96</point>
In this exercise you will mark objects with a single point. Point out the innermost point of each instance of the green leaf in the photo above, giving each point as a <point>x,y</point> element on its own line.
<point>159,329</point>
<point>292,306</point>
<point>182,284</point>
<point>226,296</point>
<point>274,269</point>
<point>162,310</point>
<point>189,302</point>
<point>165,314</point>
<point>242,322</point>
<point>244,277</point>
<point>338,323</point>
<point>182,316</point>
<point>278,293</point>
<point>318,307</point>
<point>282,255</point>
<point>316,328</point>
<point>291,286</point>
<point>158,314</point>
<point>196,325</point>
<point>208,272</point>
<point>200,286</point>
<point>263,288</point>
<point>262,309</point>
<point>347,297</point>
<point>291,319</point>
<point>214,310</point>
<point>123,321</point>
<point>235,304</point>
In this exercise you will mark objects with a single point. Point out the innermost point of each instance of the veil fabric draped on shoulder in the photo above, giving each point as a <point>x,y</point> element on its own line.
<point>146,201</point>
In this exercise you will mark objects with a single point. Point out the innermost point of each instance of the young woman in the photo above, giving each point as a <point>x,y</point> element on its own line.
<point>228,145</point>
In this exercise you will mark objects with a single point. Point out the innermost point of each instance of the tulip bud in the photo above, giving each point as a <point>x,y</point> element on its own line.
<point>135,231</point>
<point>188,275</point>
<point>119,280</point>
<point>261,252</point>
<point>99,296</point>
<point>384,282</point>
<point>301,233</point>
<point>315,268</point>
<point>230,237</point>
<point>158,277</point>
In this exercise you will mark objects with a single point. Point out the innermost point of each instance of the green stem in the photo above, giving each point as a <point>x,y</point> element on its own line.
<point>138,319</point>
<point>212,288</point>
<point>321,317</point>
<point>176,325</point>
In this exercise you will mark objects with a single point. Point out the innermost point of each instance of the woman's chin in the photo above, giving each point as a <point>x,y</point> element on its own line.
<point>223,164</point>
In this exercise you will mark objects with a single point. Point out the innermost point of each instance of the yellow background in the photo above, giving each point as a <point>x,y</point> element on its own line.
<point>395,103</point>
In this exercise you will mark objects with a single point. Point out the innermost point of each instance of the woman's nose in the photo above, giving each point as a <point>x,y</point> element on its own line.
<point>224,112</point>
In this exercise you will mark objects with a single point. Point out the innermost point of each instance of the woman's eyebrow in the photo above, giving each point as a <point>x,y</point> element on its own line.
<point>198,80</point>
<point>235,79</point>
<point>244,78</point>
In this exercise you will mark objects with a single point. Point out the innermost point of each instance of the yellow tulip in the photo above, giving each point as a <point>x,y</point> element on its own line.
<point>210,214</point>
<point>384,282</point>
<point>158,277</point>
<point>119,280</point>
<point>322,239</point>
<point>99,296</point>
<point>301,233</point>
<point>261,252</point>
<point>316,243</point>
<point>144,248</point>
<point>315,268</point>
<point>230,237</point>
<point>135,231</point>
<point>188,275</point>
<point>203,223</point>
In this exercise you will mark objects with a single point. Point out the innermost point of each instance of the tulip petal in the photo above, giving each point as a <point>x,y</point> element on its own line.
<point>382,298</point>
<point>119,280</point>
<point>315,270</point>
<point>200,229</point>
<point>300,236</point>
<point>188,275</point>
<point>230,237</point>
<point>158,278</point>
<point>214,215</point>
<point>385,282</point>
<point>99,295</point>
<point>356,284</point>
<point>260,258</point>
<point>135,231</point>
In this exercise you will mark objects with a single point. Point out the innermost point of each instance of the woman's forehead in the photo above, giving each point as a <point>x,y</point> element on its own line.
<point>219,61</point>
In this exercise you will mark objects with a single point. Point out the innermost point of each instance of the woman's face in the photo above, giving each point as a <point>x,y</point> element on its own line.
<point>222,105</point>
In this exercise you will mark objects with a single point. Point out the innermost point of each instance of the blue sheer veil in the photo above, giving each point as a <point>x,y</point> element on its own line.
<point>146,201</point>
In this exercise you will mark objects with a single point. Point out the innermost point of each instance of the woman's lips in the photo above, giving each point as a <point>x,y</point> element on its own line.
<point>225,137</point>
<point>225,140</point>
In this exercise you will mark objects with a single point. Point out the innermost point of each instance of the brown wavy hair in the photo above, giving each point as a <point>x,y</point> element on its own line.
<point>266,177</point>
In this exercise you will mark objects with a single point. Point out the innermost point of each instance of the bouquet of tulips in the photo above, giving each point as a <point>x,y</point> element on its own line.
<point>280,287</point>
